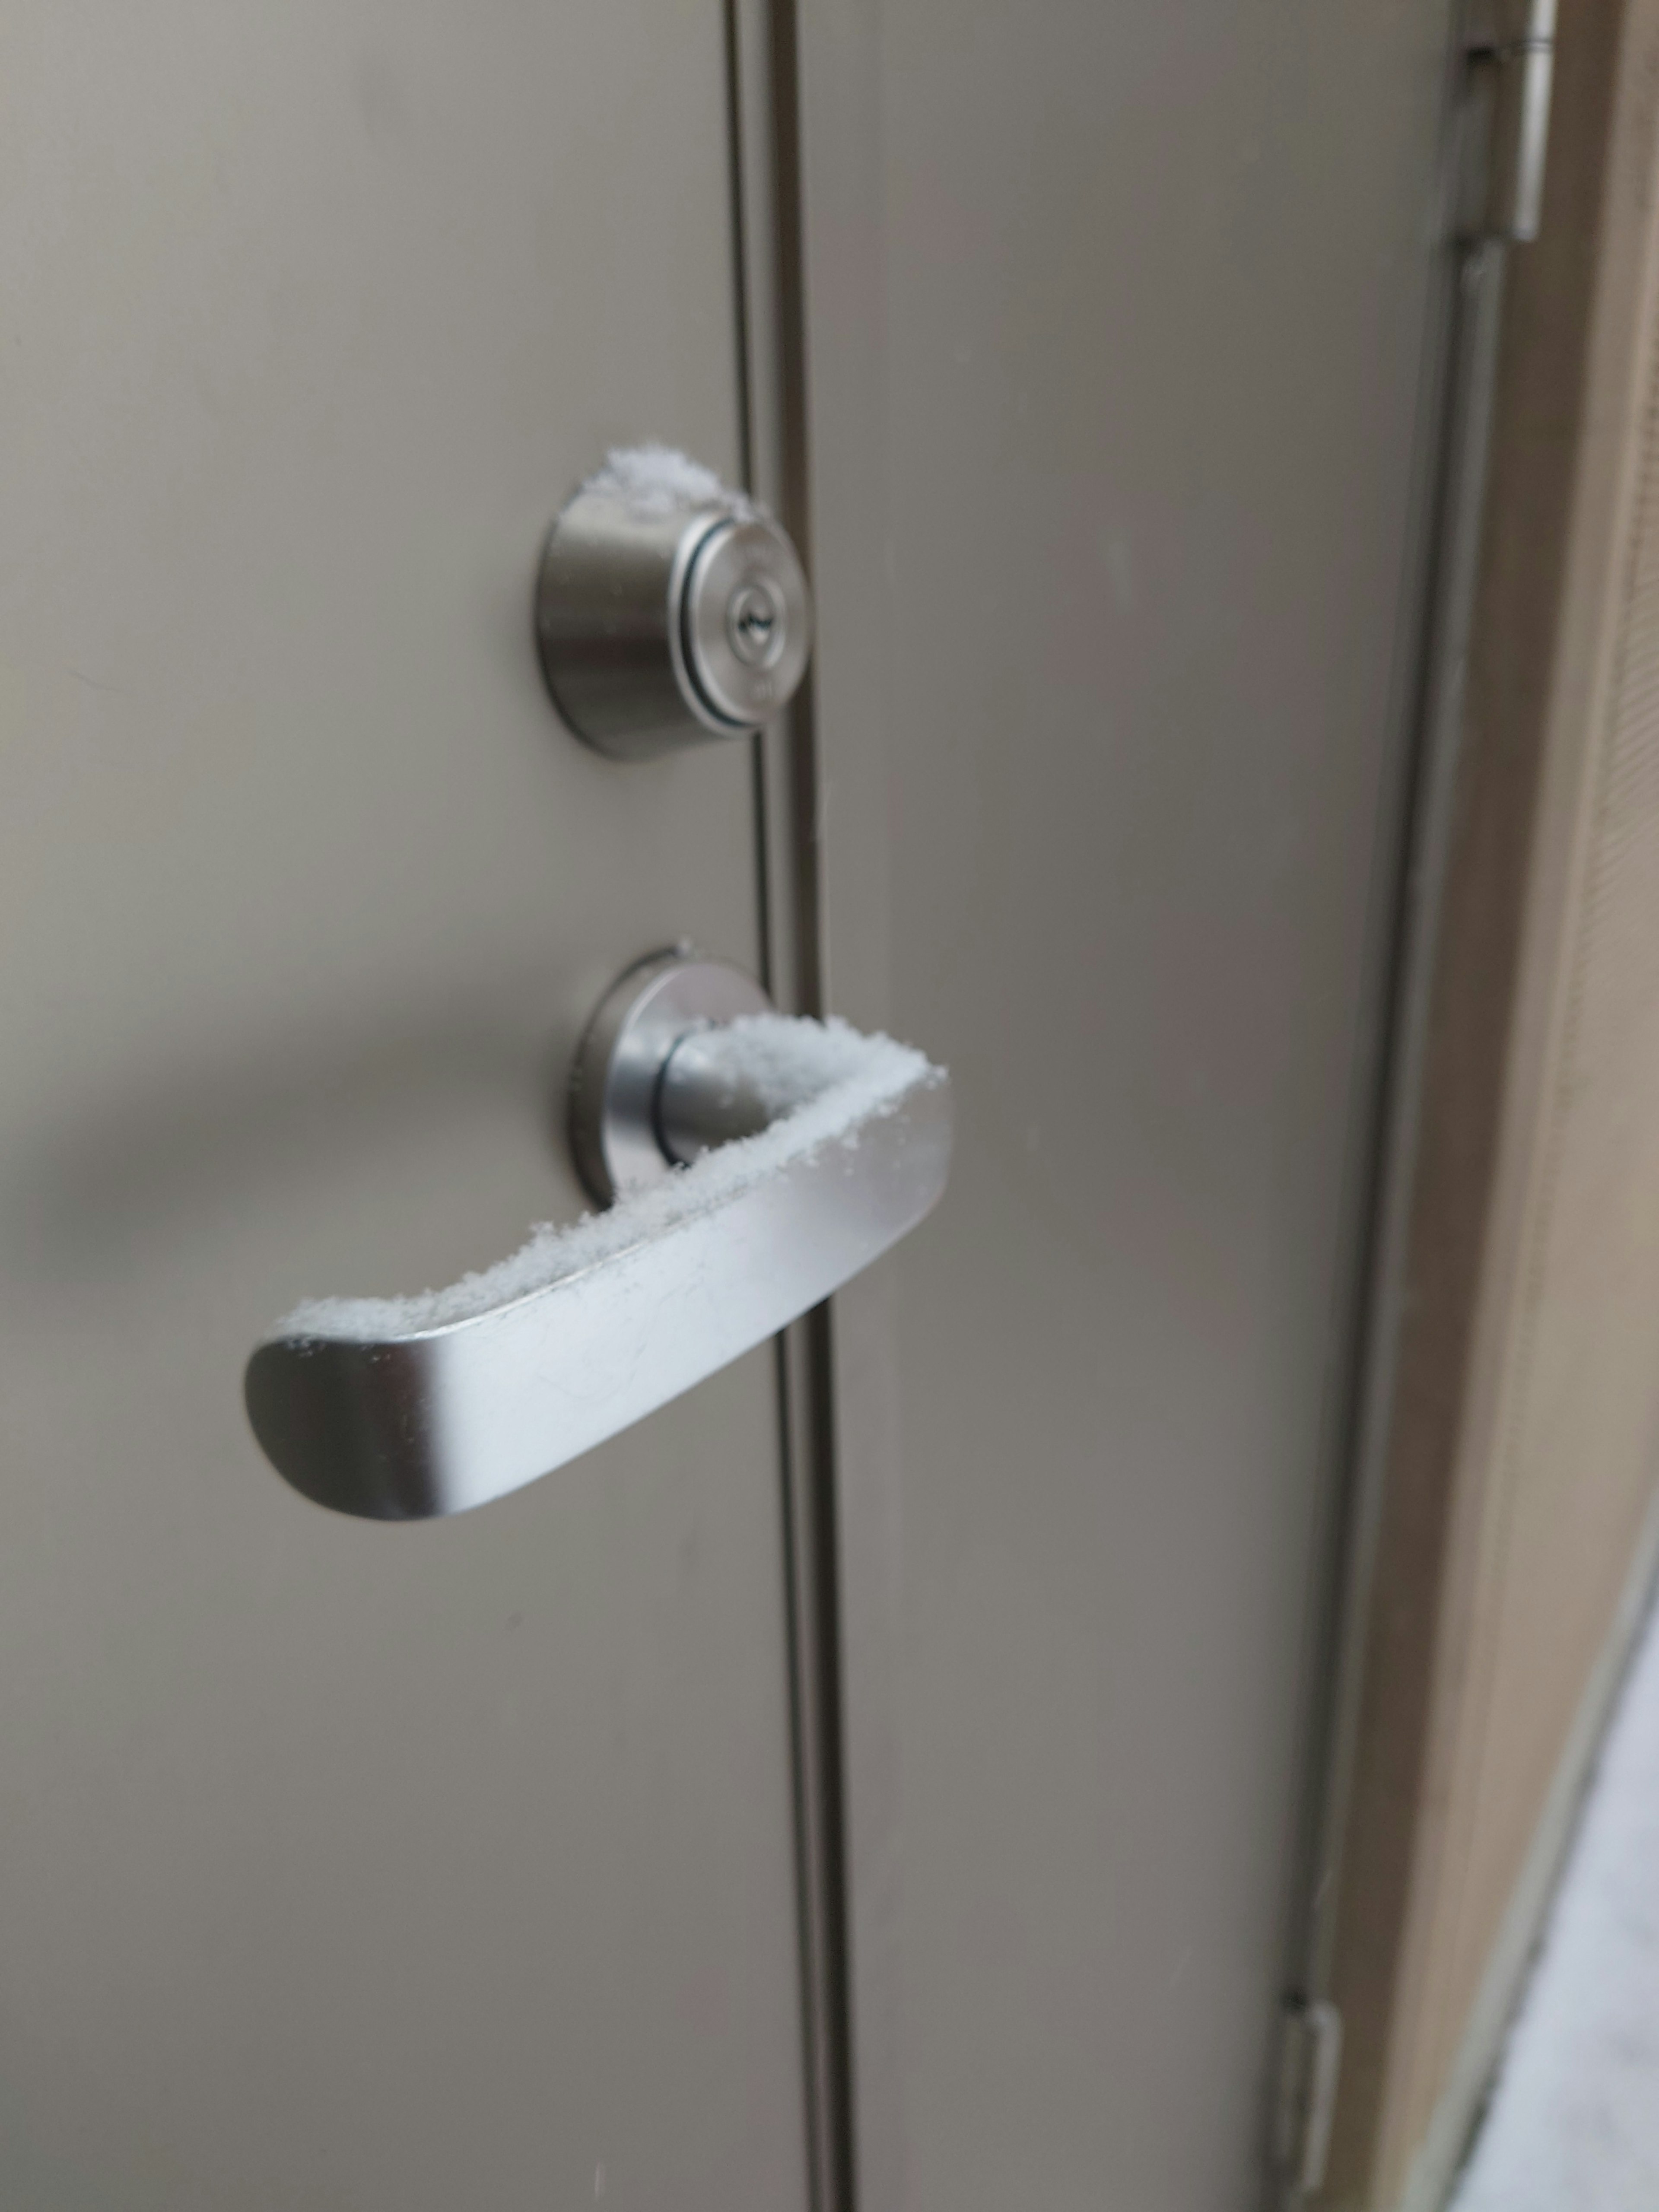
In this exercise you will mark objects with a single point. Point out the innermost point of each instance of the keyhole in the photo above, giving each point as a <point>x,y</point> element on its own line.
<point>754,624</point>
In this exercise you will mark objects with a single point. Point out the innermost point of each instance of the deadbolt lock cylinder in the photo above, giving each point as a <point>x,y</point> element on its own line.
<point>669,611</point>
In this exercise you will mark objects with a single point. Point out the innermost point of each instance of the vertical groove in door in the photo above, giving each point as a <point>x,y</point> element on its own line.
<point>763,112</point>
<point>806,1405</point>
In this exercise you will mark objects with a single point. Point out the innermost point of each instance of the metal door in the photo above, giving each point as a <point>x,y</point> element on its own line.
<point>364,1868</point>
<point>1124,350</point>
<point>351,1866</point>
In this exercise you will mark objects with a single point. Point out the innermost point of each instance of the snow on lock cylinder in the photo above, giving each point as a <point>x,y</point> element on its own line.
<point>656,480</point>
<point>405,1408</point>
<point>670,608</point>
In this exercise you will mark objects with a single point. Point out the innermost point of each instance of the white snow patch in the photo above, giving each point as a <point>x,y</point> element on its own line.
<point>652,481</point>
<point>1574,2124</point>
<point>824,1080</point>
<point>782,1062</point>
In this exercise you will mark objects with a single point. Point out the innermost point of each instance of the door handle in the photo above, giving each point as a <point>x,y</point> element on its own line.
<point>750,1165</point>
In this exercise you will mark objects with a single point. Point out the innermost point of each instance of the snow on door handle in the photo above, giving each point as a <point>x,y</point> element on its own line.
<point>752,1164</point>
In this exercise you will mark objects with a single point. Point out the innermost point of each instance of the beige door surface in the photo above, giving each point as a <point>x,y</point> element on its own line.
<point>366,1868</point>
<point>344,1865</point>
<point>1123,356</point>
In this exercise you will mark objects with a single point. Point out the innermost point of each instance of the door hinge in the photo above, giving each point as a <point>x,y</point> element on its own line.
<point>1310,2064</point>
<point>1509,56</point>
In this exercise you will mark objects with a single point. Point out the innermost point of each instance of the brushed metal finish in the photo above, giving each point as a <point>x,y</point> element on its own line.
<point>608,582</point>
<point>1510,49</point>
<point>622,1061</point>
<point>664,625</point>
<point>429,1420</point>
<point>700,1106</point>
<point>747,621</point>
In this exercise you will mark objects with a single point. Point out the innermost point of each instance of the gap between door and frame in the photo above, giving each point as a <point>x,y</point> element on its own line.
<point>763,76</point>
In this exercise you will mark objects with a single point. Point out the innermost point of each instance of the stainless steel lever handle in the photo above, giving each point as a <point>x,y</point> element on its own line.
<point>811,1150</point>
